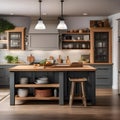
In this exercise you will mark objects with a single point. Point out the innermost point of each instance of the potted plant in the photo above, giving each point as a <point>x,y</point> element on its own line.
<point>11,59</point>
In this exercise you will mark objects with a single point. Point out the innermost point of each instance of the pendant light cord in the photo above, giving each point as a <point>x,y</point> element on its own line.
<point>40,25</point>
<point>62,9</point>
<point>40,8</point>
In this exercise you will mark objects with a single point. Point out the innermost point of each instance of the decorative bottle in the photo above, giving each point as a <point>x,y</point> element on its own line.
<point>67,60</point>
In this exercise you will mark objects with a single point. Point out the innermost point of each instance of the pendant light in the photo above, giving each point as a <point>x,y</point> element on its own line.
<point>62,25</point>
<point>40,25</point>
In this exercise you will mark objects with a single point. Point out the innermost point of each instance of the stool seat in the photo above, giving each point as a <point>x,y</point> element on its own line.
<point>81,82</point>
<point>77,79</point>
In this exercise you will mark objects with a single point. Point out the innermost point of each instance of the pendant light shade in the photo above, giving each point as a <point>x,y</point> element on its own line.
<point>40,25</point>
<point>62,25</point>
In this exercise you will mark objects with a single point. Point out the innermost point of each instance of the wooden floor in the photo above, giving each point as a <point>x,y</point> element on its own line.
<point>107,108</point>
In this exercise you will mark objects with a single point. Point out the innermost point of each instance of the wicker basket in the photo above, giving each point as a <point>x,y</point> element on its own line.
<point>43,92</point>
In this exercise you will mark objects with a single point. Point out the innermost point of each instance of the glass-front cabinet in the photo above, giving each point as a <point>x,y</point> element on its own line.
<point>16,38</point>
<point>101,40</point>
<point>101,45</point>
<point>13,39</point>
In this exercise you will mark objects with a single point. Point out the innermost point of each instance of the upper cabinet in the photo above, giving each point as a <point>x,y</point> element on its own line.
<point>16,38</point>
<point>101,45</point>
<point>72,40</point>
<point>13,39</point>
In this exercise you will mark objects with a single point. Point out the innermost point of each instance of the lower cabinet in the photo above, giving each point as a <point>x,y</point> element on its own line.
<point>4,75</point>
<point>103,75</point>
<point>3,80</point>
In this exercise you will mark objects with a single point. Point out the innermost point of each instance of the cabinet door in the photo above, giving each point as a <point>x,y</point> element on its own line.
<point>103,76</point>
<point>101,45</point>
<point>43,41</point>
<point>3,82</point>
<point>15,40</point>
<point>5,75</point>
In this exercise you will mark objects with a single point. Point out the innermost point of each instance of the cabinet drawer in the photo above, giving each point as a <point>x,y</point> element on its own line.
<point>103,76</point>
<point>103,81</point>
<point>103,71</point>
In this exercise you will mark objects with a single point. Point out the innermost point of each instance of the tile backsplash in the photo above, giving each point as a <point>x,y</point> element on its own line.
<point>74,55</point>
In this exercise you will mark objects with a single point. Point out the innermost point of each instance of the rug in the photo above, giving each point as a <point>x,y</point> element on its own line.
<point>4,93</point>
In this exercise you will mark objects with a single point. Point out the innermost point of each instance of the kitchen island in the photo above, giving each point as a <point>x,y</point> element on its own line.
<point>58,78</point>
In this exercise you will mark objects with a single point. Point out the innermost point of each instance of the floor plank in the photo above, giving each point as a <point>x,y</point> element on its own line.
<point>107,108</point>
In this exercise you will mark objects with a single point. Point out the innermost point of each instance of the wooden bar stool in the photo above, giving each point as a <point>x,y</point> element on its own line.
<point>81,81</point>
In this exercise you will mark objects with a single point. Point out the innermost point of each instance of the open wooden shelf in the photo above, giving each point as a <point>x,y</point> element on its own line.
<point>76,41</point>
<point>36,85</point>
<point>3,41</point>
<point>36,98</point>
<point>74,33</point>
<point>55,85</point>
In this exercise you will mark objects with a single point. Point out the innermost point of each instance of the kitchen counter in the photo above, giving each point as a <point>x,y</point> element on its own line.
<point>51,68</point>
<point>12,63</point>
<point>53,65</point>
<point>56,74</point>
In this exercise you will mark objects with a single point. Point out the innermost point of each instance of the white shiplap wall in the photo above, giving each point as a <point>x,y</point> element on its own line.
<point>114,22</point>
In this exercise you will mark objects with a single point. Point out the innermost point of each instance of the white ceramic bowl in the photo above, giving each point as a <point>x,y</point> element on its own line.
<point>22,92</point>
<point>24,80</point>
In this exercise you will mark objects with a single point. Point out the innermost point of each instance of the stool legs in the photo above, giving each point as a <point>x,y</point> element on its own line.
<point>83,94</point>
<point>71,93</point>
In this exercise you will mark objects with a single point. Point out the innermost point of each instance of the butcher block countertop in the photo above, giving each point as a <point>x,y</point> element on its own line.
<point>51,68</point>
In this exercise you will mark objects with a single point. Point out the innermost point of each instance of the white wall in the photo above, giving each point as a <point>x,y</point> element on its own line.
<point>114,22</point>
<point>19,21</point>
<point>81,22</point>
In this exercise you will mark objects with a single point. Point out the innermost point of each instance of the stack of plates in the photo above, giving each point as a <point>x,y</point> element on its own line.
<point>42,80</point>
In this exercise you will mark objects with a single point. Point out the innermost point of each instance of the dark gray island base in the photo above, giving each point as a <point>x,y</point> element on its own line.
<point>58,78</point>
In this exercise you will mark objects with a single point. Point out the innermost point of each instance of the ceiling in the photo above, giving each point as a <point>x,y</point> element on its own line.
<point>52,7</point>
